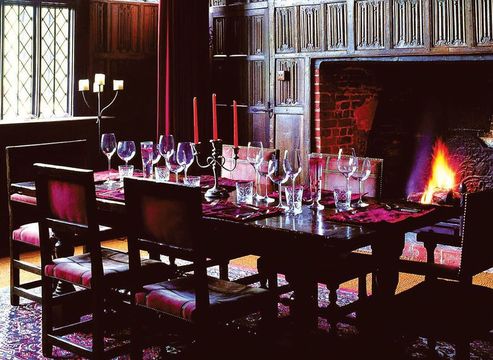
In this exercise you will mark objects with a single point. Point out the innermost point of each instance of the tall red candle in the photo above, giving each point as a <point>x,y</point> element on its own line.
<point>235,124</point>
<point>214,118</point>
<point>195,121</point>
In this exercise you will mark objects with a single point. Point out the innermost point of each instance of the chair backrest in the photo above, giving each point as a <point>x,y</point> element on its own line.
<point>163,218</point>
<point>476,240</point>
<point>67,204</point>
<point>332,177</point>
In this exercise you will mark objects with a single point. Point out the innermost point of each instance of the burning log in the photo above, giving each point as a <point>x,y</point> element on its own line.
<point>438,197</point>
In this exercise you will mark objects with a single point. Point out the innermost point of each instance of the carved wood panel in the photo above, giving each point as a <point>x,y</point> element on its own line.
<point>99,26</point>
<point>125,34</point>
<point>449,23</point>
<point>149,27</point>
<point>407,23</point>
<point>256,35</point>
<point>310,28</point>
<point>483,16</point>
<point>219,35</point>
<point>237,35</point>
<point>256,83</point>
<point>289,92</point>
<point>285,28</point>
<point>370,24</point>
<point>288,134</point>
<point>336,26</point>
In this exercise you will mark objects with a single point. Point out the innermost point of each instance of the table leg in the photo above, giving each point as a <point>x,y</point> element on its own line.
<point>305,306</point>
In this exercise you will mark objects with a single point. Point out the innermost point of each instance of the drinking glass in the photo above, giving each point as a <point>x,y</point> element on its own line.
<point>146,153</point>
<point>363,170</point>
<point>292,165</point>
<point>274,173</point>
<point>161,173</point>
<point>126,150</point>
<point>156,154</point>
<point>125,171</point>
<point>166,145</point>
<point>342,198</point>
<point>346,164</point>
<point>255,155</point>
<point>294,197</point>
<point>263,170</point>
<point>316,164</point>
<point>108,147</point>
<point>174,166</point>
<point>244,192</point>
<point>192,181</point>
<point>185,154</point>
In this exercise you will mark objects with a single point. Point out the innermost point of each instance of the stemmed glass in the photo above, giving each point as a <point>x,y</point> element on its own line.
<point>255,155</point>
<point>346,164</point>
<point>361,174</point>
<point>185,155</point>
<point>108,147</point>
<point>166,146</point>
<point>274,173</point>
<point>173,164</point>
<point>292,167</point>
<point>263,170</point>
<point>316,164</point>
<point>126,150</point>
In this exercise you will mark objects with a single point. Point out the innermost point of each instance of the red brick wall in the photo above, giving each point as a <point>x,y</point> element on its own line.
<point>345,102</point>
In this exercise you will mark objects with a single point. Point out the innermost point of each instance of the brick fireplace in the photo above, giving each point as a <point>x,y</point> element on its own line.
<point>396,109</point>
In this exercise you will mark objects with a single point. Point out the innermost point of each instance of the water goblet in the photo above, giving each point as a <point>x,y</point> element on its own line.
<point>126,150</point>
<point>255,154</point>
<point>264,172</point>
<point>174,166</point>
<point>363,170</point>
<point>166,145</point>
<point>316,165</point>
<point>146,152</point>
<point>346,164</point>
<point>108,147</point>
<point>185,155</point>
<point>274,174</point>
<point>292,165</point>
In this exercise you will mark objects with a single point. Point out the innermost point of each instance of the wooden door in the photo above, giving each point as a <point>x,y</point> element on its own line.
<point>240,70</point>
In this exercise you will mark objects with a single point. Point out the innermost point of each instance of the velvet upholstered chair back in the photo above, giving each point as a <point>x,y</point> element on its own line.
<point>332,177</point>
<point>163,218</point>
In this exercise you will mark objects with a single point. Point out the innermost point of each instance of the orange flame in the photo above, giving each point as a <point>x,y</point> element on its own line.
<point>442,174</point>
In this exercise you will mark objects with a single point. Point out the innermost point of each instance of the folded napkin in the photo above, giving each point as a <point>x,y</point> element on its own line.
<point>376,213</point>
<point>207,181</point>
<point>327,197</point>
<point>227,210</point>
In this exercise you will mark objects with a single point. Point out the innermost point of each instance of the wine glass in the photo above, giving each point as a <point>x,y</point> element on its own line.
<point>292,167</point>
<point>274,173</point>
<point>185,154</point>
<point>255,154</point>
<point>363,170</point>
<point>263,170</point>
<point>108,147</point>
<point>316,165</point>
<point>126,150</point>
<point>156,154</point>
<point>346,164</point>
<point>173,164</point>
<point>166,145</point>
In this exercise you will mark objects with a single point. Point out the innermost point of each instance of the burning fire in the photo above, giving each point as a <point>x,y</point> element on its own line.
<point>442,175</point>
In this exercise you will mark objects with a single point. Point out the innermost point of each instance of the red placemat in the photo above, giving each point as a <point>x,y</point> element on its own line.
<point>227,210</point>
<point>375,214</point>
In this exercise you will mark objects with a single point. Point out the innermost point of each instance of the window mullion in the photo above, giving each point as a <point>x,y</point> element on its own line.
<point>37,59</point>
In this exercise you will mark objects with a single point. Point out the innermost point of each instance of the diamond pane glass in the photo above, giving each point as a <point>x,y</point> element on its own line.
<point>55,49</point>
<point>17,74</point>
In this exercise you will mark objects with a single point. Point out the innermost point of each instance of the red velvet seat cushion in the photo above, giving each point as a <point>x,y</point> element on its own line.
<point>16,197</point>
<point>177,297</point>
<point>27,233</point>
<point>77,269</point>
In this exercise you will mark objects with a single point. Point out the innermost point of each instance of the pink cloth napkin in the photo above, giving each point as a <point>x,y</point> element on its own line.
<point>241,213</point>
<point>376,213</point>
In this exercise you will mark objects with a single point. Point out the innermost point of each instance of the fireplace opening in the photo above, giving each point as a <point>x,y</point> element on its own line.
<point>397,110</point>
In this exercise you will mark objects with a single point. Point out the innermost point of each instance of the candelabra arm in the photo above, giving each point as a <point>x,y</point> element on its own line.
<point>111,103</point>
<point>85,100</point>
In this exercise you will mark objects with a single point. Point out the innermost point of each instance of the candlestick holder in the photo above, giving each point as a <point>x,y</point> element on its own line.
<point>216,161</point>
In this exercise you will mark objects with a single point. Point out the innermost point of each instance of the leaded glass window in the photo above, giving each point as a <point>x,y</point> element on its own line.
<point>36,72</point>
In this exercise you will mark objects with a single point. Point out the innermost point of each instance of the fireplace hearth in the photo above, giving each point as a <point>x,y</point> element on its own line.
<point>396,110</point>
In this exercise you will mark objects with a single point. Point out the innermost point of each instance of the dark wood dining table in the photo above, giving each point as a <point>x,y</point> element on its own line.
<point>305,239</point>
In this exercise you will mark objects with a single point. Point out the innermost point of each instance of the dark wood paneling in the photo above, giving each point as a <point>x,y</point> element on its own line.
<point>288,131</point>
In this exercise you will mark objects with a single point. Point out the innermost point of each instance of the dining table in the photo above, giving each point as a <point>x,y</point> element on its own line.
<point>307,239</point>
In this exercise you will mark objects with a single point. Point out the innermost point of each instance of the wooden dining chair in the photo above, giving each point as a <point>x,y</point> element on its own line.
<point>23,226</point>
<point>167,218</point>
<point>67,204</point>
<point>450,306</point>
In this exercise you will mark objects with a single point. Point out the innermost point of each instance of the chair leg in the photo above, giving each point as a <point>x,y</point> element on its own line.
<point>332,307</point>
<point>14,276</point>
<point>223,270</point>
<point>47,315</point>
<point>98,325</point>
<point>362,291</point>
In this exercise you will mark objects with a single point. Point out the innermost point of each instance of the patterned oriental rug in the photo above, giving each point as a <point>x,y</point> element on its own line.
<point>20,336</point>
